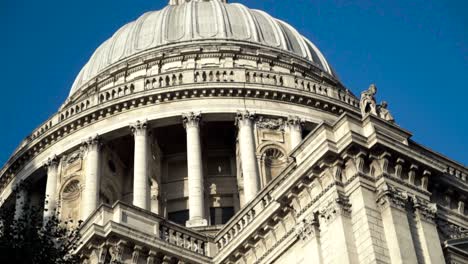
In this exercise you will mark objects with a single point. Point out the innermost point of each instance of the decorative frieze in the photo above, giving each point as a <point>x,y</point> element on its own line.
<point>451,231</point>
<point>277,124</point>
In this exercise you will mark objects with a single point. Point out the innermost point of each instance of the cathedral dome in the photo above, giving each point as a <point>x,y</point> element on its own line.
<point>190,22</point>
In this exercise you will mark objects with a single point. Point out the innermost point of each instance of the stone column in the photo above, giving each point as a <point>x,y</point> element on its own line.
<point>195,171</point>
<point>141,179</point>
<point>295,130</point>
<point>50,206</point>
<point>396,226</point>
<point>244,122</point>
<point>21,204</point>
<point>92,176</point>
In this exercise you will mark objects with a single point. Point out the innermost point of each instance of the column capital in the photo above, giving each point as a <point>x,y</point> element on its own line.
<point>139,127</point>
<point>295,121</point>
<point>308,227</point>
<point>93,141</point>
<point>52,162</point>
<point>338,206</point>
<point>243,116</point>
<point>191,119</point>
<point>389,196</point>
<point>425,210</point>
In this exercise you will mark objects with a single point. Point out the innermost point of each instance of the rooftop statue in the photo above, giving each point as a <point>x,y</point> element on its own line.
<point>368,104</point>
<point>384,113</point>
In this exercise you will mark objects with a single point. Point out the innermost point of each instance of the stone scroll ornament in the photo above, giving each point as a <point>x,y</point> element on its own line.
<point>369,106</point>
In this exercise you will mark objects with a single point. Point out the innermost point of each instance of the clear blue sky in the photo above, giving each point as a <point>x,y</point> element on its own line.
<point>416,51</point>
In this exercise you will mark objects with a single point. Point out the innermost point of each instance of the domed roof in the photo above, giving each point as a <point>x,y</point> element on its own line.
<point>198,20</point>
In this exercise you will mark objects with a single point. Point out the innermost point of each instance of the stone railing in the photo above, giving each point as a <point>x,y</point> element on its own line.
<point>143,221</point>
<point>241,221</point>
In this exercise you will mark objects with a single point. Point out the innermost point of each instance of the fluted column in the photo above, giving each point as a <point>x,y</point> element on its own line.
<point>50,205</point>
<point>141,179</point>
<point>295,130</point>
<point>195,170</point>
<point>92,176</point>
<point>244,121</point>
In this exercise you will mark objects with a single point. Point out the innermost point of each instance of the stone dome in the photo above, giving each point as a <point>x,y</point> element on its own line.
<point>199,21</point>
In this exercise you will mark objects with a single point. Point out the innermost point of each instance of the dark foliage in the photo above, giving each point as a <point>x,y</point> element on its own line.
<point>27,240</point>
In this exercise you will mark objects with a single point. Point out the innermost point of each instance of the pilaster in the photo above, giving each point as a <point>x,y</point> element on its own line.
<point>393,207</point>
<point>425,214</point>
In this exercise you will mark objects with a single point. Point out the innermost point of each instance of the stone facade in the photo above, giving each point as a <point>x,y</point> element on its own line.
<point>230,151</point>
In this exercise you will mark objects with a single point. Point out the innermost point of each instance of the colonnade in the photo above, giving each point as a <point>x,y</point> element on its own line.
<point>142,179</point>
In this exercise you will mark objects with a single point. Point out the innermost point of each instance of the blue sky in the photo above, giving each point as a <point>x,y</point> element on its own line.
<point>415,51</point>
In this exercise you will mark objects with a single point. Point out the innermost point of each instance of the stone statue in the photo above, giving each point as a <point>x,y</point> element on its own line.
<point>368,104</point>
<point>384,113</point>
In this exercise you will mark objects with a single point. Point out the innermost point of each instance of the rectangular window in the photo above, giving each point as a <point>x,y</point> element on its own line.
<point>221,215</point>
<point>179,217</point>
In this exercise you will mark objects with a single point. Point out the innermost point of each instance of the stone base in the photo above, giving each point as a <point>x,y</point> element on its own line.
<point>196,223</point>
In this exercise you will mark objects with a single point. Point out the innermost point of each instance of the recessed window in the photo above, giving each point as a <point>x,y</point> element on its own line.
<point>179,217</point>
<point>221,215</point>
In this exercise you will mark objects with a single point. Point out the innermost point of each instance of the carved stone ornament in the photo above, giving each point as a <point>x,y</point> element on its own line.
<point>191,119</point>
<point>307,228</point>
<point>52,161</point>
<point>139,127</point>
<point>270,123</point>
<point>91,142</point>
<point>339,206</point>
<point>426,210</point>
<point>451,231</point>
<point>116,253</point>
<point>390,196</point>
<point>244,116</point>
<point>74,157</point>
